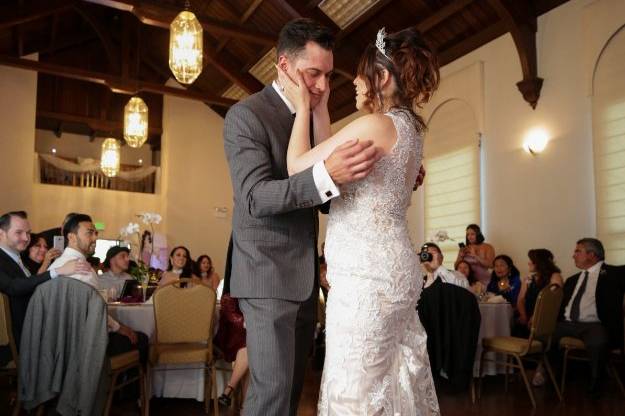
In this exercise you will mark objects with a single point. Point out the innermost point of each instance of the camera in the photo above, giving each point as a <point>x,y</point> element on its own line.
<point>424,255</point>
<point>461,245</point>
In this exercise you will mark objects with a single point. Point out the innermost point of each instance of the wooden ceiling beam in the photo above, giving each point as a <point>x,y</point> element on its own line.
<point>225,64</point>
<point>471,43</point>
<point>104,34</point>
<point>246,15</point>
<point>296,9</point>
<point>521,21</point>
<point>12,16</point>
<point>162,16</point>
<point>95,124</point>
<point>114,83</point>
<point>442,14</point>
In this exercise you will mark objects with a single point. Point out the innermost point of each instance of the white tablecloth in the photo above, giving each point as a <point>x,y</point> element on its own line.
<point>496,322</point>
<point>180,381</point>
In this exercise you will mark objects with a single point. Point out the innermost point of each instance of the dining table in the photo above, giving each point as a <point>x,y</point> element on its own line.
<point>496,322</point>
<point>169,380</point>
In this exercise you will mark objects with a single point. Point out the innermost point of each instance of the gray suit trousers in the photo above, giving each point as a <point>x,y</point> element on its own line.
<point>279,339</point>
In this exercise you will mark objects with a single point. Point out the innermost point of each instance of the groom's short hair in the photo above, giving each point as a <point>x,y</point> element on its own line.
<point>296,33</point>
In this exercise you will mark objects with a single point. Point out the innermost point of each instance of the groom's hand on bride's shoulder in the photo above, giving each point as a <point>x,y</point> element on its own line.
<point>352,161</point>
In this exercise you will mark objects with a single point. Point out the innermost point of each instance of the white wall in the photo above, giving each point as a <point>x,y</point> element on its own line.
<point>196,180</point>
<point>547,200</point>
<point>17,136</point>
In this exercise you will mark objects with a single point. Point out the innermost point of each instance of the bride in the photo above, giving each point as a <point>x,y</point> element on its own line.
<point>376,356</point>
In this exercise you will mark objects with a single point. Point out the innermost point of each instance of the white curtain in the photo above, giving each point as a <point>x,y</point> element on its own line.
<point>93,166</point>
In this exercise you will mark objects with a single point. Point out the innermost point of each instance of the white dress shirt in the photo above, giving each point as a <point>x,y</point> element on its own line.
<point>588,304</point>
<point>448,276</point>
<point>323,182</point>
<point>89,278</point>
<point>15,256</point>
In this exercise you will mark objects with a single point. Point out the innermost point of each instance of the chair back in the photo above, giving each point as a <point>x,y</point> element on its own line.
<point>6,328</point>
<point>184,315</point>
<point>546,314</point>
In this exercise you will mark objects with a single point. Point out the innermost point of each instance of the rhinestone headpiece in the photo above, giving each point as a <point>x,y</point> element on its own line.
<point>379,42</point>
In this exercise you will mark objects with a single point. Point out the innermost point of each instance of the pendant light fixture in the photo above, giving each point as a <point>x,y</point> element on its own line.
<point>186,46</point>
<point>136,122</point>
<point>109,161</point>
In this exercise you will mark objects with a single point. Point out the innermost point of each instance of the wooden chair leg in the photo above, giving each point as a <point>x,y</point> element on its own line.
<point>480,374</point>
<point>472,390</point>
<point>527,383</point>
<point>109,399</point>
<point>148,388</point>
<point>546,364</point>
<point>612,368</point>
<point>207,396</point>
<point>214,390</point>
<point>142,391</point>
<point>564,365</point>
<point>505,376</point>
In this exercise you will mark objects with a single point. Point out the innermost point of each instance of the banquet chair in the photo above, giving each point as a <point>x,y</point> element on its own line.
<point>180,340</point>
<point>119,364</point>
<point>7,340</point>
<point>574,349</point>
<point>535,347</point>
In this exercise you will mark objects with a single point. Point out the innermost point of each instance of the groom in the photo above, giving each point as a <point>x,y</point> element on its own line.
<point>274,224</point>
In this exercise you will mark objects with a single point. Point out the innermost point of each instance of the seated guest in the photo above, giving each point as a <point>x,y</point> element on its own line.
<point>436,270</point>
<point>543,272</point>
<point>37,257</point>
<point>179,266</point>
<point>206,271</point>
<point>505,279</point>
<point>592,308</point>
<point>476,287</point>
<point>117,262</point>
<point>16,281</point>
<point>81,237</point>
<point>230,338</point>
<point>477,253</point>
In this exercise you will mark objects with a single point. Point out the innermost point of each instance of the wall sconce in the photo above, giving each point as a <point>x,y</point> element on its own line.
<point>535,141</point>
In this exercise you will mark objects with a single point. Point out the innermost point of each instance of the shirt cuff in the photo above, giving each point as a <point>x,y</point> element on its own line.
<point>323,182</point>
<point>53,274</point>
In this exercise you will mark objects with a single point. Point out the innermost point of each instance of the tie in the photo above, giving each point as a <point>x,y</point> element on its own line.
<point>21,264</point>
<point>578,298</point>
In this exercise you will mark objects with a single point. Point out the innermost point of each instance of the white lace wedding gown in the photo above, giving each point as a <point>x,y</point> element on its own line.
<point>376,356</point>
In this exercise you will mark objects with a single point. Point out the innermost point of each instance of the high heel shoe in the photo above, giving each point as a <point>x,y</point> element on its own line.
<point>226,398</point>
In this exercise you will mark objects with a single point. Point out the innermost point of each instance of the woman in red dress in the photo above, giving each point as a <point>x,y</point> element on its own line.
<point>230,338</point>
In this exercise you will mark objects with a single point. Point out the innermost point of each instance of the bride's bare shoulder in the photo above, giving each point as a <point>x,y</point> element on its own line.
<point>372,125</point>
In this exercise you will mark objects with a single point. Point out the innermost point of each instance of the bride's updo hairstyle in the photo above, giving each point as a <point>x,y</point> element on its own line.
<point>411,62</point>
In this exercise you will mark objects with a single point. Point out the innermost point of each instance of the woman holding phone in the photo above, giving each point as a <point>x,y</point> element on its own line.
<point>478,253</point>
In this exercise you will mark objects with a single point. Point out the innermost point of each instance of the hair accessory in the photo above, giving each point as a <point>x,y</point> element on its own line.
<point>379,42</point>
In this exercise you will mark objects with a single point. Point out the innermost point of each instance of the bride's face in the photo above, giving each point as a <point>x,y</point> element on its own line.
<point>362,102</point>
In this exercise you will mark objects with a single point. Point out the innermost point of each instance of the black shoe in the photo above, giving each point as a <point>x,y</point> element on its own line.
<point>226,399</point>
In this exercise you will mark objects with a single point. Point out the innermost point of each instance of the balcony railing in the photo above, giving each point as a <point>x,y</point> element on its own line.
<point>86,174</point>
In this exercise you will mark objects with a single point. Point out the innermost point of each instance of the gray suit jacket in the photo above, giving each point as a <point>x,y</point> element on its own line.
<point>274,223</point>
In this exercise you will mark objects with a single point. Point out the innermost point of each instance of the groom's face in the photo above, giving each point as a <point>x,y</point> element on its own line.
<point>316,65</point>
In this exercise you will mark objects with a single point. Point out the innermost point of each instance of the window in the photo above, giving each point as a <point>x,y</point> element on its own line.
<point>452,182</point>
<point>608,116</point>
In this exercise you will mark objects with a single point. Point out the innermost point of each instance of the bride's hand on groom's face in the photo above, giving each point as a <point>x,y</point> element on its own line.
<point>352,161</point>
<point>295,90</point>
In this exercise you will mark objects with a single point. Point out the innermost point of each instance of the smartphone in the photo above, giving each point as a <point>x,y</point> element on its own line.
<point>58,242</point>
<point>461,245</point>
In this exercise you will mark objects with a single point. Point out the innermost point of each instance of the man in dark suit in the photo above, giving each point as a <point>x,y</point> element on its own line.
<point>274,222</point>
<point>15,279</point>
<point>592,307</point>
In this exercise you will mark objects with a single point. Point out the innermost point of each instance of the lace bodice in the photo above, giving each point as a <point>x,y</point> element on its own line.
<point>376,354</point>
